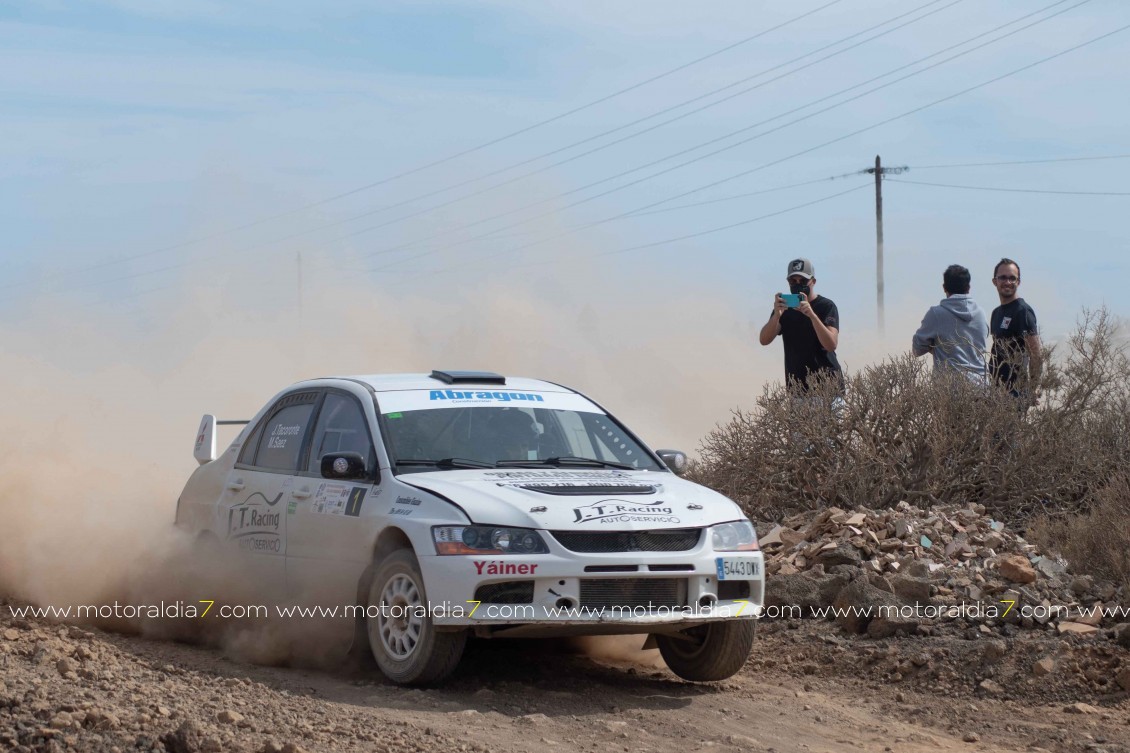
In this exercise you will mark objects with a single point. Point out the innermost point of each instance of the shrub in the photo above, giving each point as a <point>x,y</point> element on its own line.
<point>904,434</point>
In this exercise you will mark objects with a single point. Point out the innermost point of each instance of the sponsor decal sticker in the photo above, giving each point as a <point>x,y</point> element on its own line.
<point>413,501</point>
<point>255,526</point>
<point>1005,322</point>
<point>331,499</point>
<point>489,397</point>
<point>623,511</point>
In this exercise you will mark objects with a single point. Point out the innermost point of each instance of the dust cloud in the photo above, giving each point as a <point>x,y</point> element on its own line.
<point>102,401</point>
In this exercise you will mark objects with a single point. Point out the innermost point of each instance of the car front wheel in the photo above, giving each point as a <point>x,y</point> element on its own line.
<point>404,641</point>
<point>708,652</point>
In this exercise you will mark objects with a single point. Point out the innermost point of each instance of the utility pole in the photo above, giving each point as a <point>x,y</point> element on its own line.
<point>879,171</point>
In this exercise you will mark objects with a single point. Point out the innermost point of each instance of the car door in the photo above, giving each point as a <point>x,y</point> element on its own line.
<point>328,540</point>
<point>253,508</point>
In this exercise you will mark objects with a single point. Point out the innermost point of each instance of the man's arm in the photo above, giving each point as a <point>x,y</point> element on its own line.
<point>829,337</point>
<point>923,340</point>
<point>772,327</point>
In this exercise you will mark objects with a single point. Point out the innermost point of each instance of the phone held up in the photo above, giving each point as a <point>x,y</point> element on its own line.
<point>792,300</point>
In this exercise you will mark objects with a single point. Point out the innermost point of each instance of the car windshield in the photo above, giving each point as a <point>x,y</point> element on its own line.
<point>510,436</point>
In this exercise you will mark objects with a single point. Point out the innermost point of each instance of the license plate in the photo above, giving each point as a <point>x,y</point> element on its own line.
<point>737,568</point>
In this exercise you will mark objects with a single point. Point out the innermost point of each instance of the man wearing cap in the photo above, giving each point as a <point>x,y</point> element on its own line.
<point>1017,361</point>
<point>810,330</point>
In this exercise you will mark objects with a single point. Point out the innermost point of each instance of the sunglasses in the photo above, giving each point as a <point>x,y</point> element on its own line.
<point>1007,278</point>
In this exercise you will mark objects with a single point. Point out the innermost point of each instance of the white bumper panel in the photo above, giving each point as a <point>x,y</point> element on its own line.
<point>686,590</point>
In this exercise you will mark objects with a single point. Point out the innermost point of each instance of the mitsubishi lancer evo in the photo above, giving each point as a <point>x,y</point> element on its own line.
<point>438,506</point>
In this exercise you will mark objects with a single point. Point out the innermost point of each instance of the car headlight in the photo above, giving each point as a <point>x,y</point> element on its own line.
<point>487,540</point>
<point>734,537</point>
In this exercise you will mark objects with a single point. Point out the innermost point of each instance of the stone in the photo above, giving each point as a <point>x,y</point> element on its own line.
<point>910,588</point>
<point>1122,634</point>
<point>993,651</point>
<point>1081,708</point>
<point>532,719</point>
<point>1076,628</point>
<point>789,592</point>
<point>988,687</point>
<point>188,738</point>
<point>840,554</point>
<point>1043,667</point>
<point>1123,678</point>
<point>858,602</point>
<point>229,717</point>
<point>970,737</point>
<point>1081,585</point>
<point>1015,568</point>
<point>11,635</point>
<point>65,666</point>
<point>891,623</point>
<point>292,748</point>
<point>1092,616</point>
<point>773,537</point>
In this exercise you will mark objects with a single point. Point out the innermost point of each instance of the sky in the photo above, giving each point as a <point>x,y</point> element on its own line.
<point>498,185</point>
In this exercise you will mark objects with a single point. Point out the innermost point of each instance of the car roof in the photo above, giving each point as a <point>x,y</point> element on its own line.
<point>399,382</point>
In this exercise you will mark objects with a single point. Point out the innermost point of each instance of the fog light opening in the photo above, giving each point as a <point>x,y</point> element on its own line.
<point>707,601</point>
<point>566,603</point>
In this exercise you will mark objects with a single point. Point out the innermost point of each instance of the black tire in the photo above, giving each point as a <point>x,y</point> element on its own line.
<point>708,652</point>
<point>407,647</point>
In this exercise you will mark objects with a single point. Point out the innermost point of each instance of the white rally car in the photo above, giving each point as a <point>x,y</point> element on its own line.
<point>436,505</point>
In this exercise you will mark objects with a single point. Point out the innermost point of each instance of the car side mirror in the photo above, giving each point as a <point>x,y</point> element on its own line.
<point>675,460</point>
<point>343,465</point>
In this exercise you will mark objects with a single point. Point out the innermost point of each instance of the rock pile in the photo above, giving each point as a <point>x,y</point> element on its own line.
<point>929,568</point>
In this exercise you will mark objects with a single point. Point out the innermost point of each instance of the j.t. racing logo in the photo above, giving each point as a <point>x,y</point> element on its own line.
<point>797,266</point>
<point>623,511</point>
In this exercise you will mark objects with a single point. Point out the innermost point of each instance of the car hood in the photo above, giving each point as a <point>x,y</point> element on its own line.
<point>579,500</point>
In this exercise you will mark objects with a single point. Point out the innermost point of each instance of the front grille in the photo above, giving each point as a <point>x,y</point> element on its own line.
<point>602,490</point>
<point>633,593</point>
<point>507,592</point>
<point>591,542</point>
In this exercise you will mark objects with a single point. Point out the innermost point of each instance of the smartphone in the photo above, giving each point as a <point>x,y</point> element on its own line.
<point>792,300</point>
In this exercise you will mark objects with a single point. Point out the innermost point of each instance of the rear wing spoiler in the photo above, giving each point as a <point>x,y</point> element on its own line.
<point>205,450</point>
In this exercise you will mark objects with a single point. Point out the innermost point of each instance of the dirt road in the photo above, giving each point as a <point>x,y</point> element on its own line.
<point>72,688</point>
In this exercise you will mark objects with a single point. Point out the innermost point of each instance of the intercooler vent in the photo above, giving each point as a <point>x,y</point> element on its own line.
<point>670,568</point>
<point>632,593</point>
<point>729,590</point>
<point>507,592</point>
<point>602,542</point>
<point>612,568</point>
<point>602,490</point>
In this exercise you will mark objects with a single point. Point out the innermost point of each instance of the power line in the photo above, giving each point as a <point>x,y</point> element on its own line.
<point>451,157</point>
<point>688,236</point>
<point>756,136</point>
<point>371,228</point>
<point>1013,190</point>
<point>644,119</point>
<point>1022,162</point>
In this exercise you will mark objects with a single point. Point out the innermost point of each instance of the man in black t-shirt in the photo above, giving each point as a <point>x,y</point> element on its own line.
<point>810,330</point>
<point>1016,361</point>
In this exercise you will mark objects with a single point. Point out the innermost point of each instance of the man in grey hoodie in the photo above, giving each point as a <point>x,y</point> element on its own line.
<point>956,330</point>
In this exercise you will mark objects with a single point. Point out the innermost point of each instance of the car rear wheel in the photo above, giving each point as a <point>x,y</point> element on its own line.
<point>708,652</point>
<point>404,641</point>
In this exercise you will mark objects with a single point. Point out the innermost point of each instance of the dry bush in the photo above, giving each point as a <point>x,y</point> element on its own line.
<point>904,434</point>
<point>1096,541</point>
